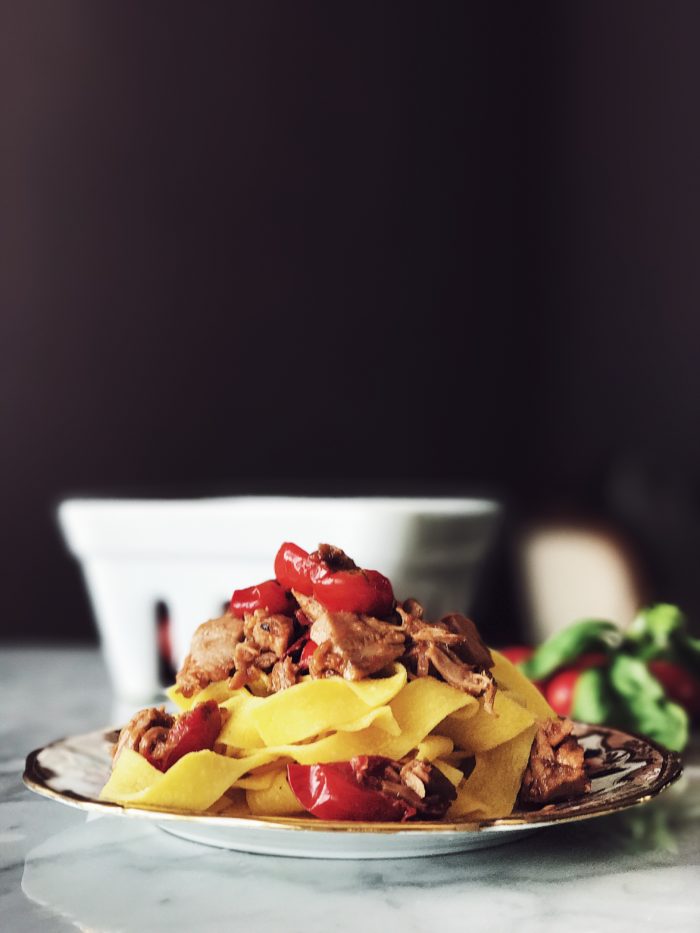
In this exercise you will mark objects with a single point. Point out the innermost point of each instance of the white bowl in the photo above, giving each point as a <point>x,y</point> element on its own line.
<point>191,554</point>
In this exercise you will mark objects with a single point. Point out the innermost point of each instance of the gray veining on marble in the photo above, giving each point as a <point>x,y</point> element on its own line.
<point>635,871</point>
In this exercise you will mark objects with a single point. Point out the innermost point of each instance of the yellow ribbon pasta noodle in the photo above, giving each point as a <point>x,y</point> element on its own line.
<point>276,800</point>
<point>491,789</point>
<point>509,677</point>
<point>194,782</point>
<point>487,730</point>
<point>315,706</point>
<point>453,775</point>
<point>239,730</point>
<point>418,708</point>
<point>434,746</point>
<point>381,718</point>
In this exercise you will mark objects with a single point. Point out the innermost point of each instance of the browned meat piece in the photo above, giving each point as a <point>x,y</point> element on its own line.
<point>211,656</point>
<point>556,769</point>
<point>426,791</point>
<point>144,732</point>
<point>462,676</point>
<point>326,662</point>
<point>472,648</point>
<point>358,645</point>
<point>454,648</point>
<point>162,739</point>
<point>284,674</point>
<point>268,632</point>
<point>335,558</point>
<point>266,641</point>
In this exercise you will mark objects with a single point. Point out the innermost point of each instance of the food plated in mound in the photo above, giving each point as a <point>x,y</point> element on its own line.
<point>319,693</point>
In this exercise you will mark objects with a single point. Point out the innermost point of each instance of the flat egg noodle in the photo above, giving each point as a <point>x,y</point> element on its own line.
<point>315,706</point>
<point>491,789</point>
<point>198,779</point>
<point>276,800</point>
<point>418,708</point>
<point>509,677</point>
<point>453,775</point>
<point>486,730</point>
<point>434,746</point>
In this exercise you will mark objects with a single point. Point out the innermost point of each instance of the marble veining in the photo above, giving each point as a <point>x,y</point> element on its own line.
<point>634,871</point>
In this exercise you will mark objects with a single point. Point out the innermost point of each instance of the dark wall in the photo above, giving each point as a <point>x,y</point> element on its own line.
<point>369,246</point>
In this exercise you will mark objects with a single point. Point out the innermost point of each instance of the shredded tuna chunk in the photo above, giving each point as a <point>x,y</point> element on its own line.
<point>266,641</point>
<point>424,789</point>
<point>351,645</point>
<point>284,674</point>
<point>556,769</point>
<point>451,647</point>
<point>211,656</point>
<point>145,732</point>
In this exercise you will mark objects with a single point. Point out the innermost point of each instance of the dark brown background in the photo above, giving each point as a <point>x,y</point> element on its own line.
<point>289,246</point>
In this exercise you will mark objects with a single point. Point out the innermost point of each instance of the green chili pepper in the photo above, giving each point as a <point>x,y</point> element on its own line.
<point>644,705</point>
<point>655,630</point>
<point>593,700</point>
<point>687,650</point>
<point>564,647</point>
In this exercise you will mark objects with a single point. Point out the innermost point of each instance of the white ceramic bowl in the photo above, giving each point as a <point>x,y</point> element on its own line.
<point>191,554</point>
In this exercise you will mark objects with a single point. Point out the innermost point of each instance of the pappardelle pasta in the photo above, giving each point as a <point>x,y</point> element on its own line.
<point>344,706</point>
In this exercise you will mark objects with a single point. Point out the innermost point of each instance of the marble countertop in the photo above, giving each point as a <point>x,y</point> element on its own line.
<point>634,871</point>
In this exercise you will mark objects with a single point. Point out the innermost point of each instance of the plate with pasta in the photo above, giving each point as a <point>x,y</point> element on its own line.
<point>322,717</point>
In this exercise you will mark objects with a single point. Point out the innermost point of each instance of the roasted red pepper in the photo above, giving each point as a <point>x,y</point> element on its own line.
<point>268,595</point>
<point>333,792</point>
<point>296,569</point>
<point>193,731</point>
<point>365,591</point>
<point>309,649</point>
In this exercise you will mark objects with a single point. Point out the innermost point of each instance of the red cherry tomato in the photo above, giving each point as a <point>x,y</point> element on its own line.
<point>332,792</point>
<point>680,685</point>
<point>308,650</point>
<point>193,731</point>
<point>516,653</point>
<point>295,568</point>
<point>365,591</point>
<point>268,595</point>
<point>559,691</point>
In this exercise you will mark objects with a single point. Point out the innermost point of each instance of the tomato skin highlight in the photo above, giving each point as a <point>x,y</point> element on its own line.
<point>363,591</point>
<point>332,792</point>
<point>296,569</point>
<point>268,595</point>
<point>559,691</point>
<point>680,685</point>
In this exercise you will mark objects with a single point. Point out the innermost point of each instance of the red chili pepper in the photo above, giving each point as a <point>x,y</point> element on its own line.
<point>332,792</point>
<point>193,731</point>
<point>296,569</point>
<point>268,595</point>
<point>365,591</point>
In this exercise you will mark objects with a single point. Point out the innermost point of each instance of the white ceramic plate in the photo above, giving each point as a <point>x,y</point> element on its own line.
<point>625,771</point>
